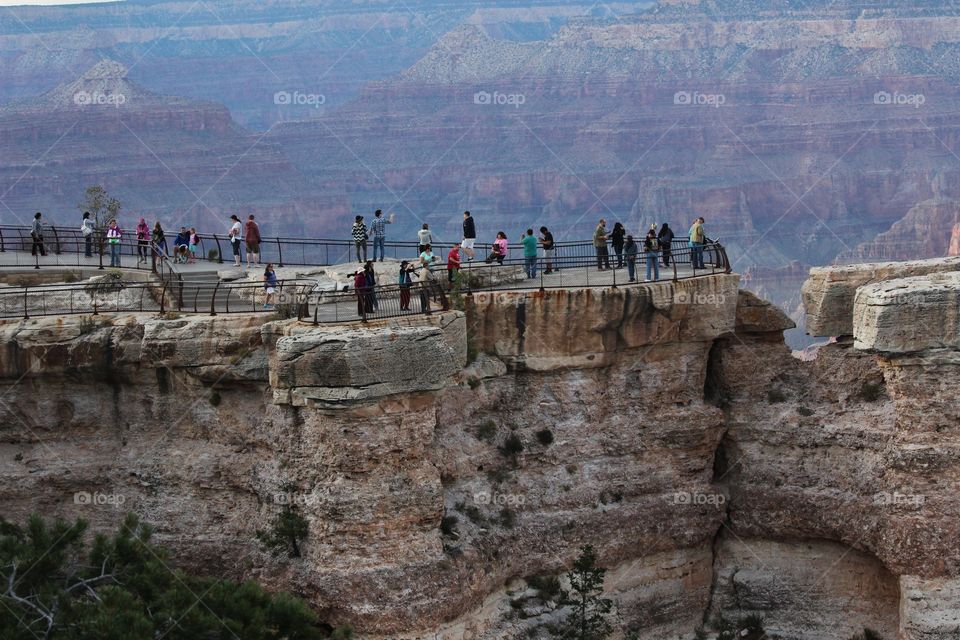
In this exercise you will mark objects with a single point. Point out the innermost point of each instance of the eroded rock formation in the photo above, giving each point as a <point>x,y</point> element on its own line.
<point>443,461</point>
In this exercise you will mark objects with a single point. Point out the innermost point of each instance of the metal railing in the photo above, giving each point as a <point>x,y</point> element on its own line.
<point>70,246</point>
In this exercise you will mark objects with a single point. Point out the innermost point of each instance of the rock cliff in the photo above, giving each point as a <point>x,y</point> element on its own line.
<point>444,462</point>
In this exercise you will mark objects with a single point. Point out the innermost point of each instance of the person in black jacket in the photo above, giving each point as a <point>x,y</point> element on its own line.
<point>617,237</point>
<point>469,236</point>
<point>666,242</point>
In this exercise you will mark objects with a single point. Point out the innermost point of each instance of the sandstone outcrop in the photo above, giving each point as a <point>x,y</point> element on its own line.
<point>443,462</point>
<point>828,295</point>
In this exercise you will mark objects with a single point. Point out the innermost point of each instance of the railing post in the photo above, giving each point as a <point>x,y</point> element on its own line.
<point>100,251</point>
<point>219,250</point>
<point>3,246</point>
<point>213,299</point>
<point>180,292</point>
<point>163,298</point>
<point>56,240</point>
<point>25,313</point>
<point>280,252</point>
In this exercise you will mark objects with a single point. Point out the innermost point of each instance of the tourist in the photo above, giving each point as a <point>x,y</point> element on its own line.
<point>600,245</point>
<point>251,233</point>
<point>194,245</point>
<point>359,234</point>
<point>453,264</point>
<point>651,247</point>
<point>236,236</point>
<point>405,281</point>
<point>697,238</point>
<point>424,237</point>
<point>616,241</point>
<point>114,235</point>
<point>143,240</point>
<point>499,249</point>
<point>370,278</point>
<point>359,284</point>
<point>666,243</point>
<point>270,286</point>
<point>86,230</point>
<point>530,244</point>
<point>630,250</point>
<point>546,239</point>
<point>36,234</point>
<point>426,260</point>
<point>378,228</point>
<point>159,241</point>
<point>181,246</point>
<point>469,235</point>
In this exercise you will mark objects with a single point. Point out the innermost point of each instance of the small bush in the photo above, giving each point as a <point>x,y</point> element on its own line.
<point>213,255</point>
<point>871,391</point>
<point>87,325</point>
<point>512,446</point>
<point>545,437</point>
<point>487,431</point>
<point>473,383</point>
<point>448,525</point>
<point>287,531</point>
<point>214,398</point>
<point>472,512</point>
<point>343,632</point>
<point>775,396</point>
<point>508,518</point>
<point>548,587</point>
<point>804,411</point>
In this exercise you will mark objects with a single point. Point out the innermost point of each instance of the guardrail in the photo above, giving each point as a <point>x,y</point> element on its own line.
<point>70,247</point>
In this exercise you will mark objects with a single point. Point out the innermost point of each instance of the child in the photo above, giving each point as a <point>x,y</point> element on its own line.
<point>194,244</point>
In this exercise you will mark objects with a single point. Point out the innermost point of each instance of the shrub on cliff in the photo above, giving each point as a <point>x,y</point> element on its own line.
<point>287,531</point>
<point>589,618</point>
<point>122,587</point>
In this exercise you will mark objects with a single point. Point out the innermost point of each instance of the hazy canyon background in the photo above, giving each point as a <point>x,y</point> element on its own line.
<point>805,132</point>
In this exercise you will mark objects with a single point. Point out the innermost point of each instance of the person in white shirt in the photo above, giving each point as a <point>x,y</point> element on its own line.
<point>236,231</point>
<point>424,238</point>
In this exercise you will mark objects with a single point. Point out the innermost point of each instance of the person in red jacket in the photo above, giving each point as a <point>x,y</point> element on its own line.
<point>453,263</point>
<point>251,232</point>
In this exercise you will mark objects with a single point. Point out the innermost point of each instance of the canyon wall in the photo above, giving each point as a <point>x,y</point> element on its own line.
<point>444,462</point>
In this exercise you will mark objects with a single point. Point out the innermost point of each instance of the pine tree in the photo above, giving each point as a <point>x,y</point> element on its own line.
<point>589,618</point>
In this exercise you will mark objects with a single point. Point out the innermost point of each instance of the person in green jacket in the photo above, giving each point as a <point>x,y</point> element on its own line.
<point>600,244</point>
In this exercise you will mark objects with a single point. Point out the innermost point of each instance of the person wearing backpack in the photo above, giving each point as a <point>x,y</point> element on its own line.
<point>86,230</point>
<point>36,234</point>
<point>251,233</point>
<point>666,243</point>
<point>651,247</point>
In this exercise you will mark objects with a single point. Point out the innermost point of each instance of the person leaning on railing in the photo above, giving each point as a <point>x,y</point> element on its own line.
<point>114,235</point>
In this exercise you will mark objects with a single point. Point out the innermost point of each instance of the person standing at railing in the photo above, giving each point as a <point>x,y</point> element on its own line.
<point>666,243</point>
<point>616,241</point>
<point>360,236</point>
<point>697,238</point>
<point>651,248</point>
<point>159,242</point>
<point>529,242</point>
<point>143,240</point>
<point>378,229</point>
<point>424,238</point>
<point>359,284</point>
<point>194,245</point>
<point>498,252</point>
<point>236,236</point>
<point>600,245</point>
<point>370,278</point>
<point>405,280</point>
<point>251,232</point>
<point>630,251</point>
<point>36,234</point>
<point>453,264</point>
<point>86,230</point>
<point>546,240</point>
<point>269,286</point>
<point>114,235</point>
<point>469,236</point>
<point>426,260</point>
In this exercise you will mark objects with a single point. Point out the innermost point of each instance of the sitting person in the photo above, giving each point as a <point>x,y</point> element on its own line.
<point>499,249</point>
<point>181,245</point>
